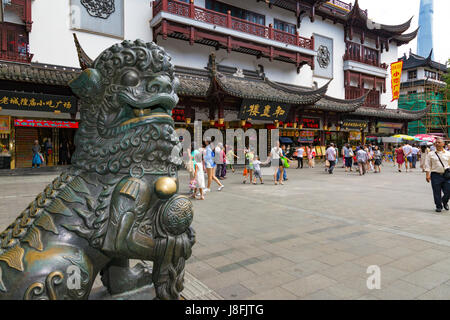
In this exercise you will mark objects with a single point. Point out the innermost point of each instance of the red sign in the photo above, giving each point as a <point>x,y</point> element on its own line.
<point>311,123</point>
<point>45,124</point>
<point>178,115</point>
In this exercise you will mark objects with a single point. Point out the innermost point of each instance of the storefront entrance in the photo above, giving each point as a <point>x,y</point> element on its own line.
<point>62,132</point>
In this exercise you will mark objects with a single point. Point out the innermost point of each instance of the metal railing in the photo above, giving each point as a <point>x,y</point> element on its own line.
<point>189,10</point>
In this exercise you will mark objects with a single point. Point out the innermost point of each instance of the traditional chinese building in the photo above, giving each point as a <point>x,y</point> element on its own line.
<point>421,86</point>
<point>38,58</point>
<point>316,69</point>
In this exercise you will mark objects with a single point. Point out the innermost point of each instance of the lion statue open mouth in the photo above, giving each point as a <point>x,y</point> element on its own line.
<point>118,200</point>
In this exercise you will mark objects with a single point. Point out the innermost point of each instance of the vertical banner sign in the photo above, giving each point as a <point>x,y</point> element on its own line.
<point>396,74</point>
<point>4,125</point>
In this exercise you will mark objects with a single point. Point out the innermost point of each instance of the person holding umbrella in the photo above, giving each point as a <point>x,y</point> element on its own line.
<point>436,165</point>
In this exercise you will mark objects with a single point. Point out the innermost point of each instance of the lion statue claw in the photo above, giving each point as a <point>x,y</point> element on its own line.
<point>118,200</point>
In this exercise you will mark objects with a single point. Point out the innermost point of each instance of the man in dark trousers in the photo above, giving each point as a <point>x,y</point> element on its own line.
<point>435,165</point>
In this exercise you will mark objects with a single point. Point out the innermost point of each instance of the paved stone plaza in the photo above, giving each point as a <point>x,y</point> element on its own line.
<point>312,238</point>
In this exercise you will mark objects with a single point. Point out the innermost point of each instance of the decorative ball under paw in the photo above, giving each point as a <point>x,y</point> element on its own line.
<point>178,215</point>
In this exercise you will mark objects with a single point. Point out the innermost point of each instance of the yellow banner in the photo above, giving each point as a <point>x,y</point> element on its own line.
<point>396,74</point>
<point>5,124</point>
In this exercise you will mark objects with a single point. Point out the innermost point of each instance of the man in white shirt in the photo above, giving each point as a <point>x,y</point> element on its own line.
<point>331,157</point>
<point>407,150</point>
<point>275,154</point>
<point>415,151</point>
<point>300,152</point>
<point>435,165</point>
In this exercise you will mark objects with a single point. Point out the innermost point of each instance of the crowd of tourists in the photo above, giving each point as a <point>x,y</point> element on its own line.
<point>210,163</point>
<point>434,160</point>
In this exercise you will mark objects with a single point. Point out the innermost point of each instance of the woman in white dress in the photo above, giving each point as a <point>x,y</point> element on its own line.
<point>199,174</point>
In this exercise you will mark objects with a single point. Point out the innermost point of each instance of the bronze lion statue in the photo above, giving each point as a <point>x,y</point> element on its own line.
<point>118,200</point>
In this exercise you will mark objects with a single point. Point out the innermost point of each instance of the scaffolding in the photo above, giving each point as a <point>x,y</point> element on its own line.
<point>437,120</point>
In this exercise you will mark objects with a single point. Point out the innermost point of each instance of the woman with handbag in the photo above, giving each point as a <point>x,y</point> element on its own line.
<point>437,168</point>
<point>36,160</point>
<point>276,154</point>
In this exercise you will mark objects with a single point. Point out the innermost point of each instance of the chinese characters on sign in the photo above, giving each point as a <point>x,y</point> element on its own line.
<point>178,115</point>
<point>263,110</point>
<point>390,125</point>
<point>45,124</point>
<point>37,102</point>
<point>354,124</point>
<point>306,137</point>
<point>396,74</point>
<point>311,123</point>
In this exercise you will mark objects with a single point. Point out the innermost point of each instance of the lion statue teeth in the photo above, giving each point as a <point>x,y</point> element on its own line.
<point>118,200</point>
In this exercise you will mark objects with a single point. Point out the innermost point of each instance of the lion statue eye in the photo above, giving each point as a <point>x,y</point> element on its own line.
<point>130,79</point>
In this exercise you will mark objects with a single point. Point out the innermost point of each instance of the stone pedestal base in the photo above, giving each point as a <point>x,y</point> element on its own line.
<point>144,293</point>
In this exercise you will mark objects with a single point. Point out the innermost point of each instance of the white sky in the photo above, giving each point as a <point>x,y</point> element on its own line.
<point>399,11</point>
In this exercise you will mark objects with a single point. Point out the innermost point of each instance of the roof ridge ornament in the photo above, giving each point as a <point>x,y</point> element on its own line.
<point>212,64</point>
<point>83,58</point>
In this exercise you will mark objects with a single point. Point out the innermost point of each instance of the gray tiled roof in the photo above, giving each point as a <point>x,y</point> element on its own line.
<point>398,114</point>
<point>339,105</point>
<point>267,90</point>
<point>37,73</point>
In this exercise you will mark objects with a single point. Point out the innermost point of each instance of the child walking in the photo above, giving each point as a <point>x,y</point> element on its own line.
<point>257,169</point>
<point>199,175</point>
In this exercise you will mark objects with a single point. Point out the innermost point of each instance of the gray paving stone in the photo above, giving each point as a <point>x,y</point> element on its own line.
<point>309,285</point>
<point>399,290</point>
<point>284,238</point>
<point>235,292</point>
<point>291,242</point>
<point>441,292</point>
<point>348,236</point>
<point>427,278</point>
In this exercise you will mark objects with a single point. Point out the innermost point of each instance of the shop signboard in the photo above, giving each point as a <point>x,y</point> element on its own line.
<point>306,137</point>
<point>37,102</point>
<point>396,75</point>
<point>390,125</point>
<point>319,151</point>
<point>4,125</point>
<point>355,136</point>
<point>45,124</point>
<point>355,124</point>
<point>311,123</point>
<point>263,110</point>
<point>178,115</point>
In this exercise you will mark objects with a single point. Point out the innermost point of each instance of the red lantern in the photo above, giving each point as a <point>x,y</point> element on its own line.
<point>219,125</point>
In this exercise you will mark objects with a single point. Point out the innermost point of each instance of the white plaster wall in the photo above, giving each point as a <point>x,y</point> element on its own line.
<point>197,56</point>
<point>51,39</point>
<point>389,57</point>
<point>420,73</point>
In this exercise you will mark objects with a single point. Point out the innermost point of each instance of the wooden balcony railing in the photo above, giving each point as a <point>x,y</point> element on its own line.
<point>15,56</point>
<point>363,54</point>
<point>372,100</point>
<point>188,10</point>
